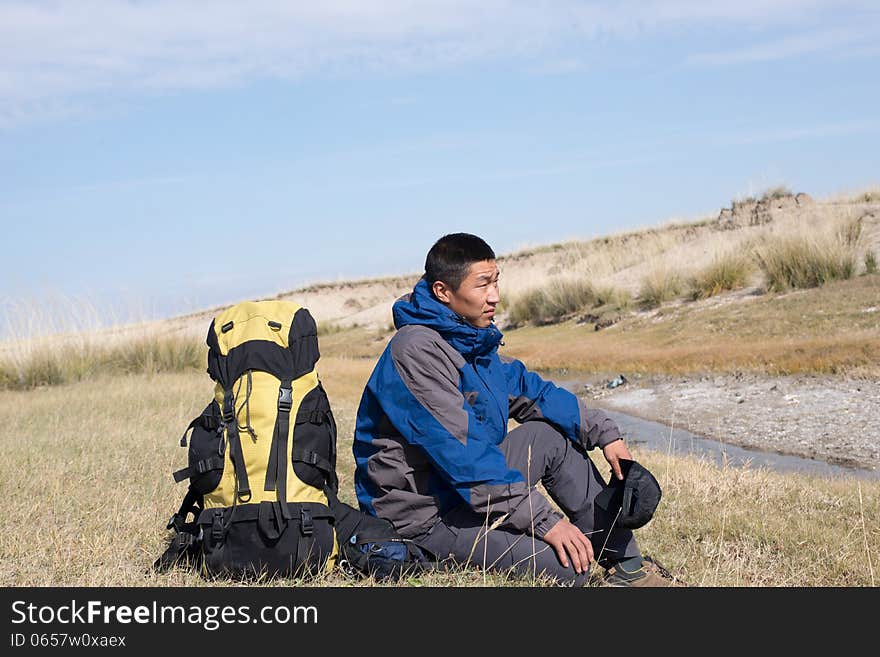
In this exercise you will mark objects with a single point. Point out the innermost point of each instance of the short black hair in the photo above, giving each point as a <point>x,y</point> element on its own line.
<point>451,257</point>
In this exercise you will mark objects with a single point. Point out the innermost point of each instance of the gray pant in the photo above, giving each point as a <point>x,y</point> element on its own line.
<point>571,479</point>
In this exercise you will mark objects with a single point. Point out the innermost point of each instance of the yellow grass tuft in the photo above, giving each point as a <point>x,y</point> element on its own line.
<point>560,299</point>
<point>57,360</point>
<point>660,285</point>
<point>809,260</point>
<point>728,271</point>
<point>557,299</point>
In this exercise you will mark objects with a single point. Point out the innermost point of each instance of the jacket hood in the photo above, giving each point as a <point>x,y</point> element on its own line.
<point>420,307</point>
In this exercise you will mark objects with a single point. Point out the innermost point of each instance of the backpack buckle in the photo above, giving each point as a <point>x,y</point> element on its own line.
<point>184,540</point>
<point>175,523</point>
<point>217,526</point>
<point>285,399</point>
<point>306,525</point>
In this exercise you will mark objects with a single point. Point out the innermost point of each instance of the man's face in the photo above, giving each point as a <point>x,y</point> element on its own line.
<point>476,297</point>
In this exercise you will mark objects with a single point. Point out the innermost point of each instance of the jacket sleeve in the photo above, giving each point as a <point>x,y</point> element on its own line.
<point>421,397</point>
<point>532,398</point>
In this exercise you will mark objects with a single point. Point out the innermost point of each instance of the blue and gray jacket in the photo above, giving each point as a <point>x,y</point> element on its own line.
<point>434,412</point>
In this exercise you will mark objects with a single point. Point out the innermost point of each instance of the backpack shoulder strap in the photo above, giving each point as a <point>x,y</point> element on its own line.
<point>242,485</point>
<point>276,468</point>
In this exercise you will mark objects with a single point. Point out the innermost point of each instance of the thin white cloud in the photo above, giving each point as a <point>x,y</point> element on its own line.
<point>800,133</point>
<point>74,52</point>
<point>790,46</point>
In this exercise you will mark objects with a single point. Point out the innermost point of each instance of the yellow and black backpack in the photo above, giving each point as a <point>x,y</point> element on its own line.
<point>262,455</point>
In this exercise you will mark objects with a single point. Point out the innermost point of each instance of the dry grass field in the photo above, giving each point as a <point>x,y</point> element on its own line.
<point>86,478</point>
<point>90,419</point>
<point>832,329</point>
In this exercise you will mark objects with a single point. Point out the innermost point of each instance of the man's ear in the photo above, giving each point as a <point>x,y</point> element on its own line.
<point>441,290</point>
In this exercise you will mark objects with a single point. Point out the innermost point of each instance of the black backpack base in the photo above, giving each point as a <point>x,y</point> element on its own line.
<point>368,546</point>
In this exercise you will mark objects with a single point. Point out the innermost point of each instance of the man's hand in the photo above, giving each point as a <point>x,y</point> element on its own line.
<point>613,453</point>
<point>569,541</point>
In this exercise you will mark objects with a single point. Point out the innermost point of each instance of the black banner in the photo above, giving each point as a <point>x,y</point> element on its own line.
<point>379,619</point>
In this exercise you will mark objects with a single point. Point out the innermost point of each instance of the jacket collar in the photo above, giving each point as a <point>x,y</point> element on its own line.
<point>422,308</point>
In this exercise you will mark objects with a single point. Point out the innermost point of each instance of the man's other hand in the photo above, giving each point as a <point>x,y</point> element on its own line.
<point>570,542</point>
<point>613,453</point>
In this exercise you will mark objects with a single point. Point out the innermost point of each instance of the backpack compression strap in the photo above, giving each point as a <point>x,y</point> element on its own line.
<point>185,546</point>
<point>243,488</point>
<point>201,467</point>
<point>276,469</point>
<point>192,501</point>
<point>315,459</point>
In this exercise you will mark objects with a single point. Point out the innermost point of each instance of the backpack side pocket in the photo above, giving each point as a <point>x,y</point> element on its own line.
<point>314,441</point>
<point>206,451</point>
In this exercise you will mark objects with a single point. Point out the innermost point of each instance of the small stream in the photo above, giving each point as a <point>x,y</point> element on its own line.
<point>662,438</point>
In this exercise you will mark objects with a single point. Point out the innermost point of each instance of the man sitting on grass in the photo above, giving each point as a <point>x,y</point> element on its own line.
<point>434,457</point>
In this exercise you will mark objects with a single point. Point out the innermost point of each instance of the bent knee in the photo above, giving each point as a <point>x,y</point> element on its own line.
<point>535,442</point>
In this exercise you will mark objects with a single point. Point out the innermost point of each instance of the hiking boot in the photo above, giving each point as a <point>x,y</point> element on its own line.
<point>652,573</point>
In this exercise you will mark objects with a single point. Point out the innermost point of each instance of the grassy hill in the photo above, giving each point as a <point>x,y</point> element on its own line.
<point>91,419</point>
<point>780,284</point>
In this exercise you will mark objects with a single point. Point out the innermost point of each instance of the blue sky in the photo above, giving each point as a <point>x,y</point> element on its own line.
<point>159,157</point>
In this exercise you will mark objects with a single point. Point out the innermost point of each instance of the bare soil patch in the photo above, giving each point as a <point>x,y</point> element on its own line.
<point>835,419</point>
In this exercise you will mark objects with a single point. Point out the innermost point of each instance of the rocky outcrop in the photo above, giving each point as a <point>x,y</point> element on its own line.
<point>755,212</point>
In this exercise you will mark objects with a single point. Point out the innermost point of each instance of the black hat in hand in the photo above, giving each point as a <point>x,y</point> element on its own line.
<point>636,496</point>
